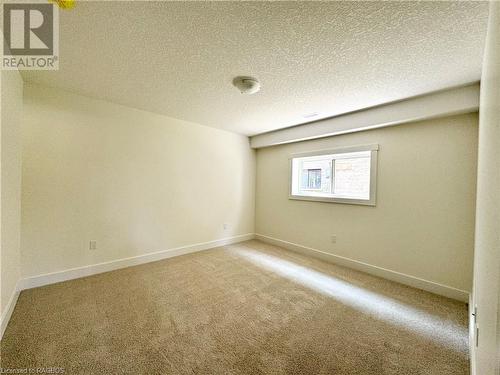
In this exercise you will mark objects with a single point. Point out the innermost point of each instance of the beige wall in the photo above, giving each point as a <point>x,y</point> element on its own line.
<point>486,359</point>
<point>423,223</point>
<point>134,181</point>
<point>11,107</point>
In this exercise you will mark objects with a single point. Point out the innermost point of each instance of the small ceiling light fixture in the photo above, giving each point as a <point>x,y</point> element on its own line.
<point>246,85</point>
<point>310,115</point>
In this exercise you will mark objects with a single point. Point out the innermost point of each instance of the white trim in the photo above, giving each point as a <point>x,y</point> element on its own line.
<point>93,269</point>
<point>4,320</point>
<point>75,273</point>
<point>415,282</point>
<point>443,103</point>
<point>472,336</point>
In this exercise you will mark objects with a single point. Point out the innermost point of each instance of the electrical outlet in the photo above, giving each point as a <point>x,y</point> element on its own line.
<point>93,245</point>
<point>225,226</point>
<point>333,238</point>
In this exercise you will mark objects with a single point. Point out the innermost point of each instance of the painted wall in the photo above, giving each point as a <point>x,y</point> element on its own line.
<point>486,360</point>
<point>134,181</point>
<point>423,223</point>
<point>10,218</point>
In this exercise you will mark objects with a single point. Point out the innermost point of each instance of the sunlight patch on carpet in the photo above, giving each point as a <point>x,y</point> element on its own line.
<point>438,329</point>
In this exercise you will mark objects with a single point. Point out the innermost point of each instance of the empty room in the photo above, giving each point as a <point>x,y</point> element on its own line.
<point>250,187</point>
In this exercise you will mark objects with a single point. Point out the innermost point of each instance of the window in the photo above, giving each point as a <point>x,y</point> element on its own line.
<point>346,175</point>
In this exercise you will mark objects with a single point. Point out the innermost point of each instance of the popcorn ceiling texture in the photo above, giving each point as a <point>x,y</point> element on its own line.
<point>179,58</point>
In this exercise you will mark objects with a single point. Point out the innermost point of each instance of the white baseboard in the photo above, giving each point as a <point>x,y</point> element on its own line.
<point>430,286</point>
<point>93,269</point>
<point>4,320</point>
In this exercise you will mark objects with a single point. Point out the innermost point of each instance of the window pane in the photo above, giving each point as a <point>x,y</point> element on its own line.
<point>314,178</point>
<point>352,178</point>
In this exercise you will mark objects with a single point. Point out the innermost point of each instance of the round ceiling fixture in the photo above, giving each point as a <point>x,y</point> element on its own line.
<point>246,85</point>
<point>310,115</point>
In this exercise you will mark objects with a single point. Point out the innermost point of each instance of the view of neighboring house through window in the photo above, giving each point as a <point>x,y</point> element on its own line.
<point>313,179</point>
<point>345,176</point>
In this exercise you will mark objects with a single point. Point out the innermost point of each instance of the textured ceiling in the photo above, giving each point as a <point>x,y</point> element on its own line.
<point>179,58</point>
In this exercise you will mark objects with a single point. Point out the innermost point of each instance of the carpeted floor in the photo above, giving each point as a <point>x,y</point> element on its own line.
<point>249,308</point>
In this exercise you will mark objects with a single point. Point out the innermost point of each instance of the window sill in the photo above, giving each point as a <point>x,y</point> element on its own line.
<point>362,202</point>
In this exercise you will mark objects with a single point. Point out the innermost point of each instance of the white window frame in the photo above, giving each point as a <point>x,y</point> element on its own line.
<point>373,175</point>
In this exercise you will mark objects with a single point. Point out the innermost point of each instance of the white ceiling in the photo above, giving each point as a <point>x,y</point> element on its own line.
<point>179,58</point>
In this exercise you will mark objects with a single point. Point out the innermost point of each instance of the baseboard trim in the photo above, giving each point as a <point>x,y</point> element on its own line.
<point>415,282</point>
<point>4,320</point>
<point>93,269</point>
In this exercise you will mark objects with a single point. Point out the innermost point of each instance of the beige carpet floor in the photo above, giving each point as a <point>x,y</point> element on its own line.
<point>249,308</point>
